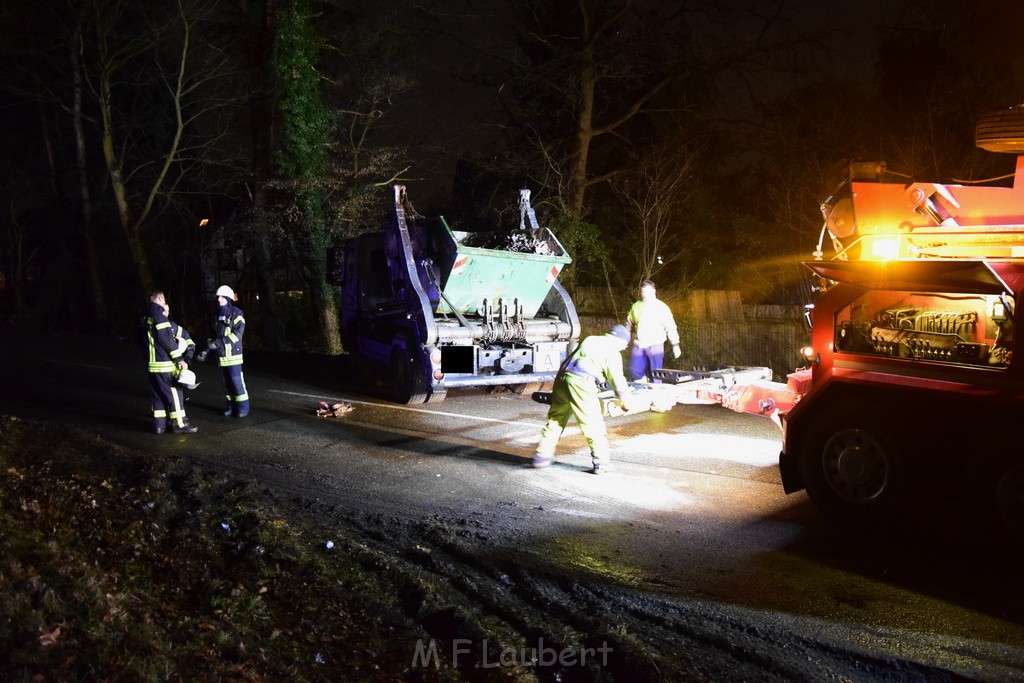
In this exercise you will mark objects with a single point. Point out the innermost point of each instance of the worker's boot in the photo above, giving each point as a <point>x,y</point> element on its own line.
<point>600,467</point>
<point>540,460</point>
<point>184,428</point>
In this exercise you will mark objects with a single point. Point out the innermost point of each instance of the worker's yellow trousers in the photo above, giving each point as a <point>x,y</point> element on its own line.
<point>576,397</point>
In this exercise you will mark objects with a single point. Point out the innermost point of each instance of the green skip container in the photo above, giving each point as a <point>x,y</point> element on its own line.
<point>519,264</point>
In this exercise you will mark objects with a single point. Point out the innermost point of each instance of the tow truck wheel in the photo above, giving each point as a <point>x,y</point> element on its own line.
<point>1001,131</point>
<point>854,473</point>
<point>1010,499</point>
<point>409,384</point>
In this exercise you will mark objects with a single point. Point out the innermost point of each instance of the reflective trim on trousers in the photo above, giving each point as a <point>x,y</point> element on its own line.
<point>168,401</point>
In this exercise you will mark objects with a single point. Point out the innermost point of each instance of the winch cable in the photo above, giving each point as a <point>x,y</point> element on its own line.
<point>462,318</point>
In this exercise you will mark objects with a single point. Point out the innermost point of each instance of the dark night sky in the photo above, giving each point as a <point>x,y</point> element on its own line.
<point>454,108</point>
<point>446,115</point>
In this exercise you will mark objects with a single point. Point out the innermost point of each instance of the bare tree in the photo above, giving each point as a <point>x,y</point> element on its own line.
<point>599,67</point>
<point>145,64</point>
<point>654,193</point>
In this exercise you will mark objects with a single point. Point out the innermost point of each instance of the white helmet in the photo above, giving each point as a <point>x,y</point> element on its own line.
<point>187,379</point>
<point>226,292</point>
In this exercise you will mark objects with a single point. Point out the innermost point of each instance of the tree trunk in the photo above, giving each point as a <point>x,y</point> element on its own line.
<point>138,250</point>
<point>259,46</point>
<point>584,136</point>
<point>324,301</point>
<point>178,84</point>
<point>85,200</point>
<point>266,278</point>
<point>115,173</point>
<point>321,294</point>
<point>44,130</point>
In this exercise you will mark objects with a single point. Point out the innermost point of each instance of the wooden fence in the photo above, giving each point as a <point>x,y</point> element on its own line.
<point>715,327</point>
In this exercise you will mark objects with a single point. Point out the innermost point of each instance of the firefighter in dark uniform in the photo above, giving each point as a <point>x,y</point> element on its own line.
<point>165,361</point>
<point>227,342</point>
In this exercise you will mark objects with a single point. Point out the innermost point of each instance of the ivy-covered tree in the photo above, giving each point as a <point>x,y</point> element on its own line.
<point>303,157</point>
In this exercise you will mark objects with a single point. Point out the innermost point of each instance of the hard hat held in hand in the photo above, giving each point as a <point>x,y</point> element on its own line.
<point>226,292</point>
<point>187,379</point>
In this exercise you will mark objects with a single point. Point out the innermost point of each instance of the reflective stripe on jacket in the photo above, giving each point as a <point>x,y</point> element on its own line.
<point>230,328</point>
<point>161,346</point>
<point>184,341</point>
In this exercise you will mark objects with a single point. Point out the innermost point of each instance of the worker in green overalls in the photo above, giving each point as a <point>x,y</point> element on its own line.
<point>597,359</point>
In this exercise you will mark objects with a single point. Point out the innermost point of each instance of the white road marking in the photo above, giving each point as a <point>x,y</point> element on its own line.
<point>578,513</point>
<point>393,406</point>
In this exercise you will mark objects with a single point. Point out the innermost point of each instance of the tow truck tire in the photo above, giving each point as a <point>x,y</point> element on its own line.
<point>1001,131</point>
<point>410,386</point>
<point>854,473</point>
<point>1010,499</point>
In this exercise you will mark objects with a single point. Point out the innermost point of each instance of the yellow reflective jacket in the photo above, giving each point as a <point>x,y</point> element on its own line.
<point>651,323</point>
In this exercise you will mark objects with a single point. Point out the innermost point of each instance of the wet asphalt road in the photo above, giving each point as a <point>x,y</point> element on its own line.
<point>694,506</point>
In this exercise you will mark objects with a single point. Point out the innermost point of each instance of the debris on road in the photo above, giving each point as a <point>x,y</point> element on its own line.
<point>326,409</point>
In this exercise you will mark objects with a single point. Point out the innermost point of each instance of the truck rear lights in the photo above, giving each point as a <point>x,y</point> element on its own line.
<point>810,354</point>
<point>884,249</point>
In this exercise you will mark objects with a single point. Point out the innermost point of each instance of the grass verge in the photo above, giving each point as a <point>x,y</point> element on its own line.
<point>117,565</point>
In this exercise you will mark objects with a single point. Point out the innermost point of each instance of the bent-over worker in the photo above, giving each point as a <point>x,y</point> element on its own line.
<point>576,392</point>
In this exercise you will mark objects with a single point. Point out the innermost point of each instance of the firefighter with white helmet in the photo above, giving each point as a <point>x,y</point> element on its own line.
<point>166,359</point>
<point>229,327</point>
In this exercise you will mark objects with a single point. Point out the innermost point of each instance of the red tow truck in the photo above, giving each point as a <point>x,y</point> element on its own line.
<point>917,382</point>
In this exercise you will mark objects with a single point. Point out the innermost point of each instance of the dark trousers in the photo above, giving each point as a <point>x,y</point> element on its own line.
<point>644,359</point>
<point>168,401</point>
<point>234,389</point>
